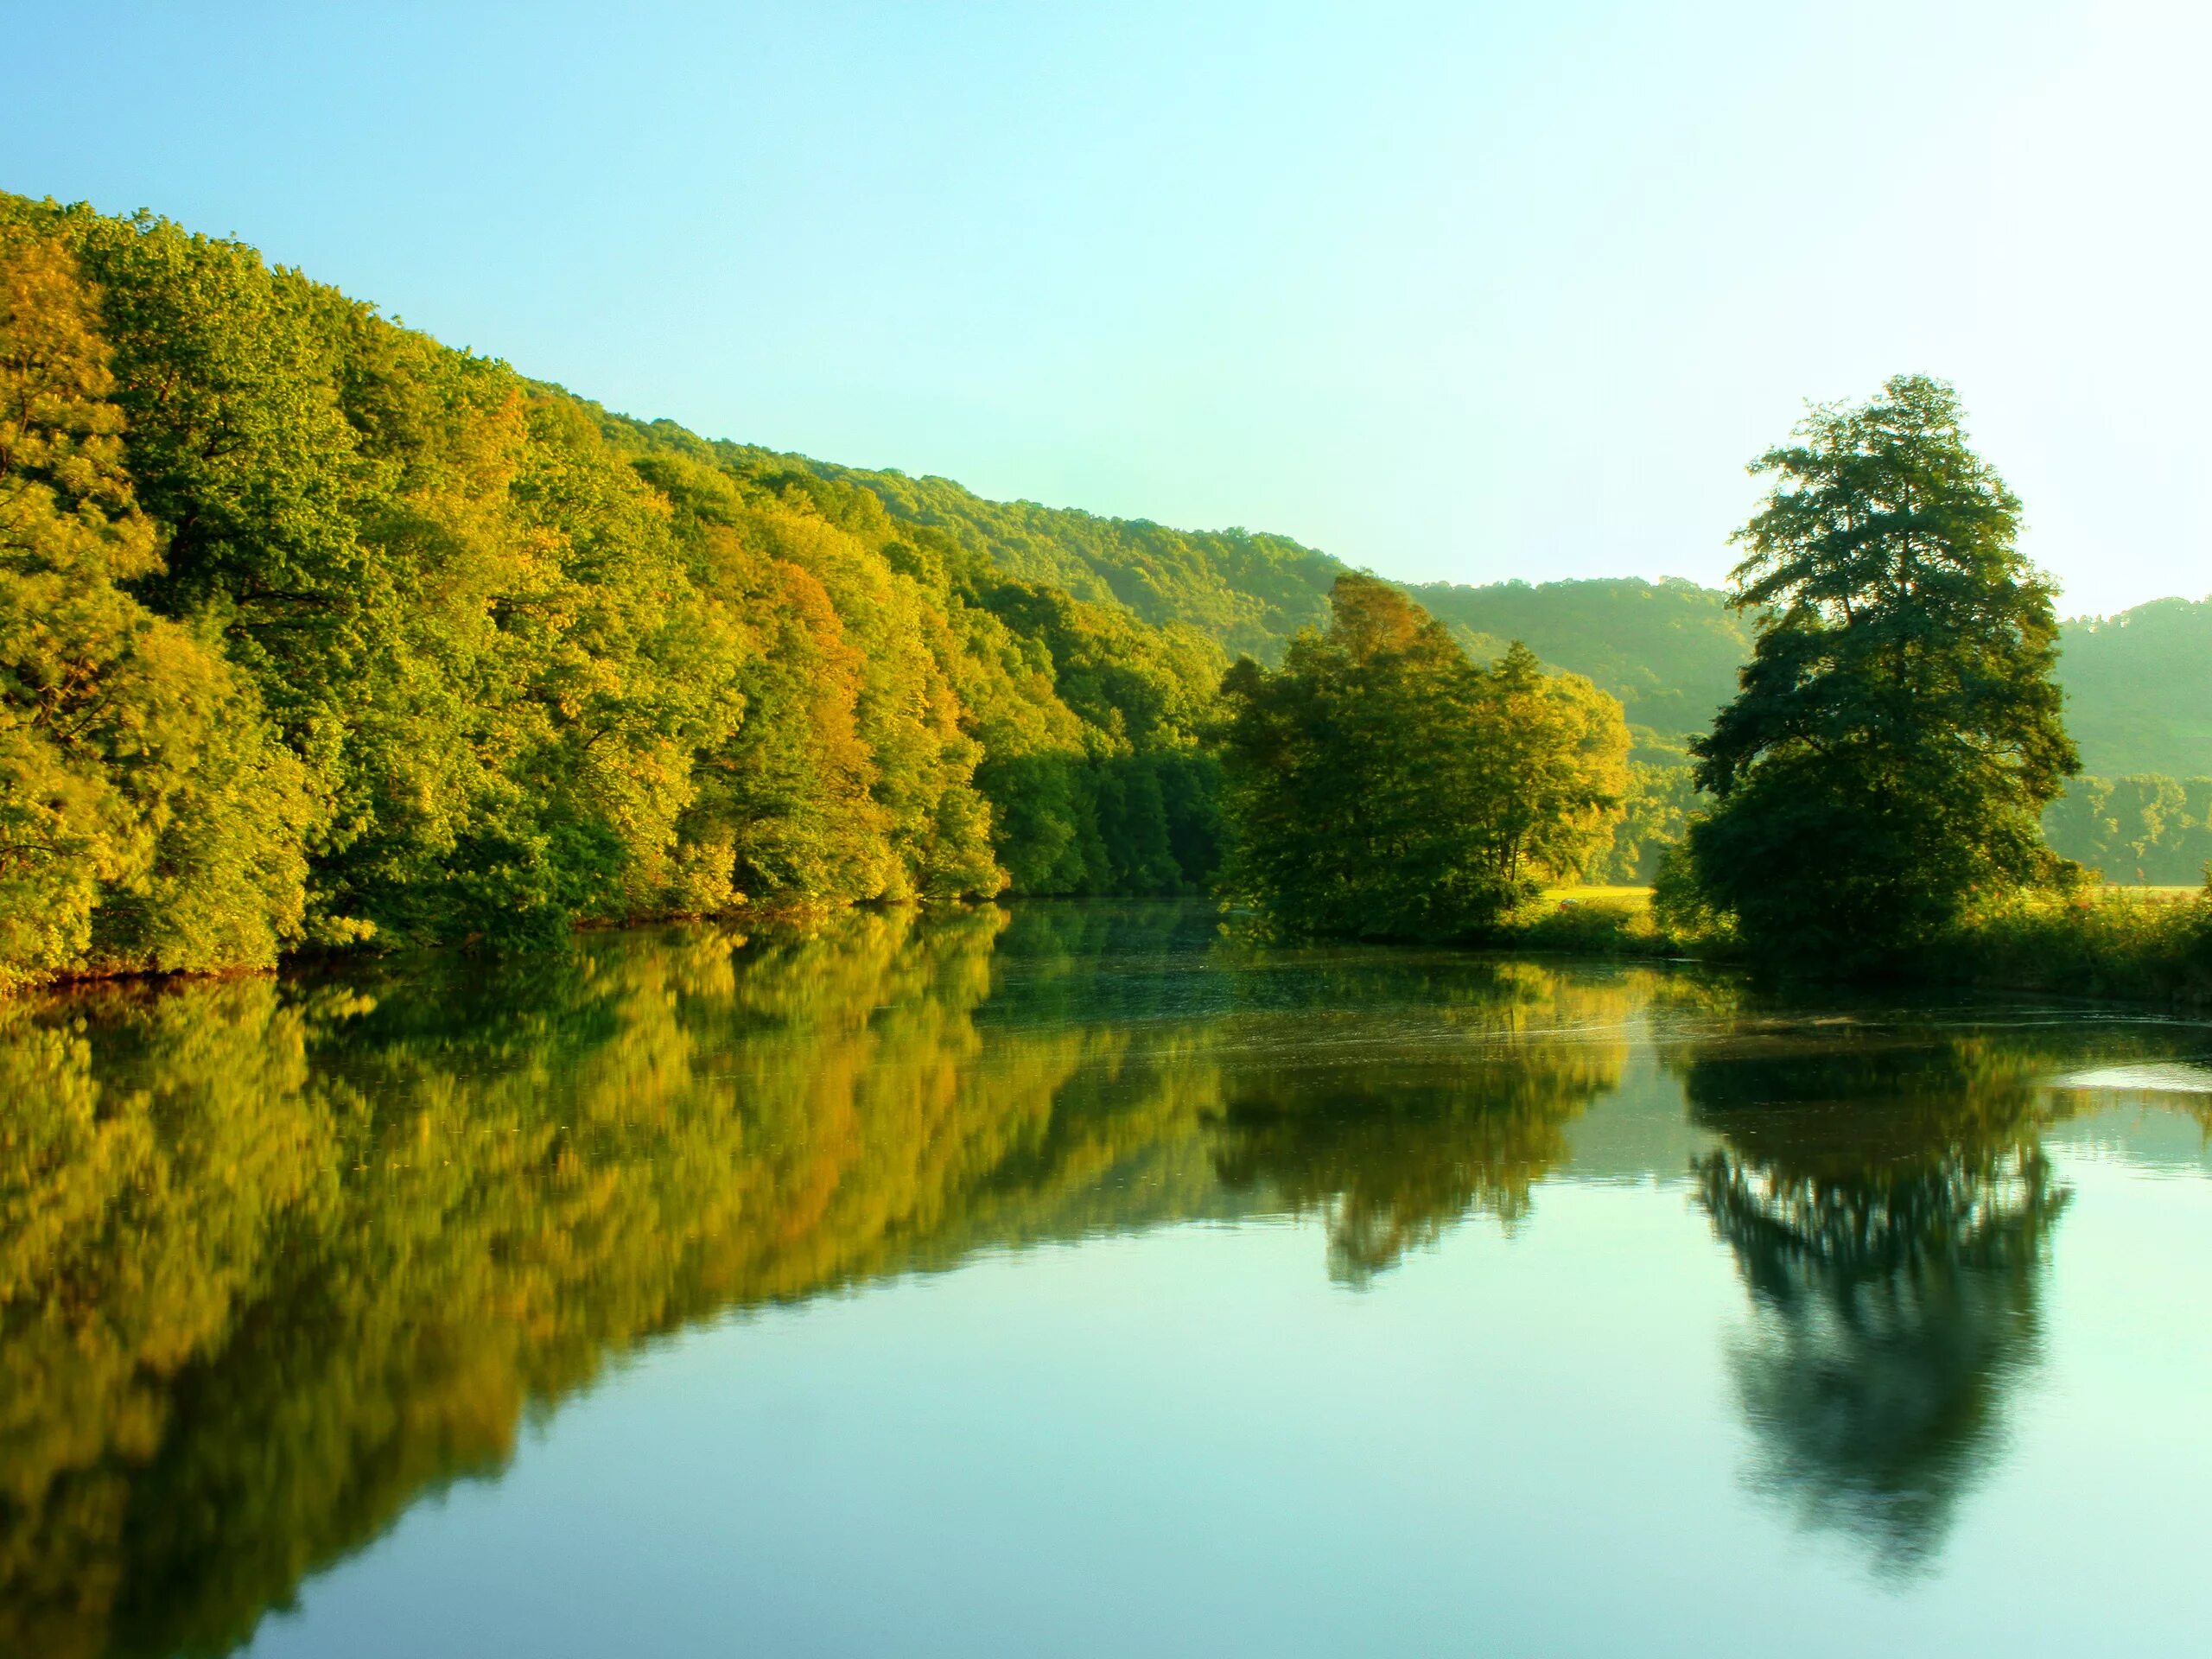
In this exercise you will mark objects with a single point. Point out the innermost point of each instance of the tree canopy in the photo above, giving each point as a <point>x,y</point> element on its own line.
<point>147,819</point>
<point>1382,785</point>
<point>1898,729</point>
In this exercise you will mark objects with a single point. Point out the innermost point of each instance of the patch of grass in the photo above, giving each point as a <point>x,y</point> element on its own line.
<point>2146,945</point>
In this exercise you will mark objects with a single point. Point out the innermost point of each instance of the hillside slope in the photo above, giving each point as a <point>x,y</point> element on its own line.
<point>2140,688</point>
<point>1668,649</point>
<point>313,629</point>
<point>2139,684</point>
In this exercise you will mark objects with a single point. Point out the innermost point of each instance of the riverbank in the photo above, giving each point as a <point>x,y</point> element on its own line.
<point>2144,945</point>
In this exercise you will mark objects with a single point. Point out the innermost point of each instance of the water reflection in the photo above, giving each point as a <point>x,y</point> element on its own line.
<point>1464,1113</point>
<point>278,1259</point>
<point>1891,1212</point>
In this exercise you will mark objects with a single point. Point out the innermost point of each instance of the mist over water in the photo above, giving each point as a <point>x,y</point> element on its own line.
<point>1068,1279</point>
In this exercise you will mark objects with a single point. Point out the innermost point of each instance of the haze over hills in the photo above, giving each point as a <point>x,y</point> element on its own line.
<point>2139,684</point>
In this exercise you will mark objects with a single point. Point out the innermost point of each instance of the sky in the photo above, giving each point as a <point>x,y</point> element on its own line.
<point>1464,292</point>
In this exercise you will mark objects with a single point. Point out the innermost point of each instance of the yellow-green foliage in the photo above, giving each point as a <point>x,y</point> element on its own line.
<point>146,819</point>
<point>2147,828</point>
<point>312,628</point>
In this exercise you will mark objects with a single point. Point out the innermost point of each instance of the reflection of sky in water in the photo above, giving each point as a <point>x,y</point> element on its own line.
<point>2177,1077</point>
<point>2156,1117</point>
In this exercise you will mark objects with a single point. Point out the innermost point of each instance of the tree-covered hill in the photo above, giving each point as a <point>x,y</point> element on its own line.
<point>2139,684</point>
<point>1249,592</point>
<point>2140,688</point>
<point>1668,649</point>
<point>313,629</point>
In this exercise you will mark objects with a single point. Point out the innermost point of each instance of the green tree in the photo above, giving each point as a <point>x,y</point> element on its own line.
<point>1381,785</point>
<point>1897,731</point>
<point>1661,798</point>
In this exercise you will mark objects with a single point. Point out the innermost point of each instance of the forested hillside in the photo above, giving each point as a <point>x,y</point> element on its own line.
<point>2140,688</point>
<point>2140,685</point>
<point>1669,650</point>
<point>2140,706</point>
<point>313,629</point>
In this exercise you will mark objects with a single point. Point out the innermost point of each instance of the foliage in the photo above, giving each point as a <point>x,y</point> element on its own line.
<point>146,820</point>
<point>1382,785</point>
<point>2146,947</point>
<point>1668,649</point>
<point>370,638</point>
<point>1897,731</point>
<point>1249,593</point>
<point>2145,828</point>
<point>1654,817</point>
<point>315,629</point>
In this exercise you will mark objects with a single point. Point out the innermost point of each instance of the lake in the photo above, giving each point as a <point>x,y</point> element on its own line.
<point>1066,1281</point>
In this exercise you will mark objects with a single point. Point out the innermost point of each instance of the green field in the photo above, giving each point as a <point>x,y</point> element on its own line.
<point>1634,898</point>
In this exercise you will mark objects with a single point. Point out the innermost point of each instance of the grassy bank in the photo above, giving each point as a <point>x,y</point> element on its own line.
<point>2142,944</point>
<point>2146,945</point>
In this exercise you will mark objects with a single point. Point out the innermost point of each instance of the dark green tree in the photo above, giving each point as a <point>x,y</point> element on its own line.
<point>1897,730</point>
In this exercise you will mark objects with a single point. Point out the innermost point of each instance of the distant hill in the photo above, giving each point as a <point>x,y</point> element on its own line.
<point>2139,689</point>
<point>2139,684</point>
<point>1668,649</point>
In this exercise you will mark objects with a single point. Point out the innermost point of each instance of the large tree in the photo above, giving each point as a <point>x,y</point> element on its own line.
<point>1382,785</point>
<point>1898,729</point>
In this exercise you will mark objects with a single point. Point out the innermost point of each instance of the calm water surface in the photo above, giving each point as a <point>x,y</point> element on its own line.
<point>1068,1283</point>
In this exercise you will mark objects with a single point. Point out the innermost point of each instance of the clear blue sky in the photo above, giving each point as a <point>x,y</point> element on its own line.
<point>1465,291</point>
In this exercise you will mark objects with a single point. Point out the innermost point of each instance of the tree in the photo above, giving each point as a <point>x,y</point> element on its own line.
<point>1381,785</point>
<point>1896,732</point>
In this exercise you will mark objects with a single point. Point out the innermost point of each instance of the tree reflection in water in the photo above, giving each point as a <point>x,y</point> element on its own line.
<point>277,1258</point>
<point>1464,1113</point>
<point>1891,1214</point>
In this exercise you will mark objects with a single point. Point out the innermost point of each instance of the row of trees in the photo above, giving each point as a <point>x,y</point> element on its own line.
<point>1882,773</point>
<point>2146,828</point>
<point>313,630</point>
